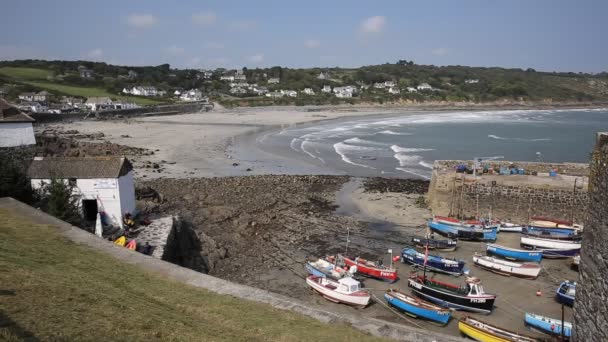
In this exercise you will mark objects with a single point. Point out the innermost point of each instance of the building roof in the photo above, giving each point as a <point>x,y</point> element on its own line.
<point>98,100</point>
<point>80,168</point>
<point>10,113</point>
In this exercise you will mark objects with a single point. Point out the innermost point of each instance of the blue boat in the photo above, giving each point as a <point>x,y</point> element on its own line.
<point>514,254</point>
<point>566,292</point>
<point>561,253</point>
<point>463,232</point>
<point>325,269</point>
<point>418,307</point>
<point>434,263</point>
<point>552,233</point>
<point>444,229</point>
<point>548,325</point>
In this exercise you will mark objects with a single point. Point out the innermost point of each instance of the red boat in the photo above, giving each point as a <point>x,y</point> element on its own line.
<point>371,269</point>
<point>550,219</point>
<point>455,222</point>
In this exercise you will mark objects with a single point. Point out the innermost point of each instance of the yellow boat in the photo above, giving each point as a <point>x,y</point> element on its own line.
<point>121,241</point>
<point>485,332</point>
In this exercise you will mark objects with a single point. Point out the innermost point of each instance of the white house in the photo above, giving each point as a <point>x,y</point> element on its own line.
<point>238,91</point>
<point>474,81</point>
<point>143,91</point>
<point>227,78</point>
<point>260,90</point>
<point>379,85</point>
<point>98,103</point>
<point>323,76</point>
<point>15,127</point>
<point>191,95</point>
<point>274,94</point>
<point>394,90</point>
<point>326,89</point>
<point>388,84</point>
<point>104,184</point>
<point>424,86</point>
<point>344,94</point>
<point>412,90</point>
<point>309,91</point>
<point>123,104</point>
<point>32,107</point>
<point>273,80</point>
<point>27,96</point>
<point>290,93</point>
<point>240,77</point>
<point>43,96</point>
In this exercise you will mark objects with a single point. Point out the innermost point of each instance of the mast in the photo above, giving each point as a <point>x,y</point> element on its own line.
<point>426,256</point>
<point>347,240</point>
<point>563,327</point>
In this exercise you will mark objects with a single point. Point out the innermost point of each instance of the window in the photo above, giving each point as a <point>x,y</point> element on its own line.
<point>72,182</point>
<point>473,291</point>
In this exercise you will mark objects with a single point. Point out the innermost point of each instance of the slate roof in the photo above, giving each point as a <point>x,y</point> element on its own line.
<point>80,168</point>
<point>10,113</point>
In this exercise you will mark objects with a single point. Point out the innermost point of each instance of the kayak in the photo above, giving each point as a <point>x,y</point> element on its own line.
<point>121,241</point>
<point>131,245</point>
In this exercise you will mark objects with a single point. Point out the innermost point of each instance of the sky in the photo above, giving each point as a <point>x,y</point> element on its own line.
<point>547,35</point>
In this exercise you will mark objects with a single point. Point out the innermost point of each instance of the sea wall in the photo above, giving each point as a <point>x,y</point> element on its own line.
<point>590,312</point>
<point>513,197</point>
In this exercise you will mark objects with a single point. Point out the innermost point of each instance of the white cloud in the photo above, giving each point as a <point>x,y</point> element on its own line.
<point>142,21</point>
<point>441,51</point>
<point>213,45</point>
<point>204,18</point>
<point>256,59</point>
<point>312,43</point>
<point>373,24</point>
<point>175,50</point>
<point>243,25</point>
<point>95,54</point>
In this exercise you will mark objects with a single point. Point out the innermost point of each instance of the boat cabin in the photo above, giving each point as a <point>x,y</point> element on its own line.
<point>348,285</point>
<point>474,287</point>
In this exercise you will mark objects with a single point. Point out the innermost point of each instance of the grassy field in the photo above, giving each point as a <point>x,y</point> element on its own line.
<point>25,73</point>
<point>52,289</point>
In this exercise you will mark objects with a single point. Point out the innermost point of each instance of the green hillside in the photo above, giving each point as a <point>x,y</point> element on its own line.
<point>54,290</point>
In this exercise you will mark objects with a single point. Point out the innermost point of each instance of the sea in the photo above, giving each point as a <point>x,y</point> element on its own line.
<point>406,145</point>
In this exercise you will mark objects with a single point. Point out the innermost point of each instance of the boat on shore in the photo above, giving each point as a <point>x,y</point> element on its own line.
<point>324,268</point>
<point>548,325</point>
<point>346,290</point>
<point>433,263</point>
<point>513,253</point>
<point>559,232</point>
<point>566,293</point>
<point>464,233</point>
<point>417,307</point>
<point>508,227</point>
<point>456,222</point>
<point>368,268</point>
<point>443,245</point>
<point>508,268</point>
<point>470,297</point>
<point>552,248</point>
<point>549,222</point>
<point>484,332</point>
<point>576,261</point>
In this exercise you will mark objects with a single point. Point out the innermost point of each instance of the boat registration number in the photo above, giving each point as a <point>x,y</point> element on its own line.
<point>478,300</point>
<point>385,274</point>
<point>416,285</point>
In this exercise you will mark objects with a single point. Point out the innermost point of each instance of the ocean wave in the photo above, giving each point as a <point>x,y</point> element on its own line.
<point>389,132</point>
<point>407,159</point>
<point>399,149</point>
<point>342,148</point>
<point>293,144</point>
<point>414,172</point>
<point>357,140</point>
<point>492,136</point>
<point>425,164</point>
<point>310,144</point>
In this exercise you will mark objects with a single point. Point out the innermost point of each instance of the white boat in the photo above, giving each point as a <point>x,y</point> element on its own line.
<point>510,227</point>
<point>549,223</point>
<point>508,268</point>
<point>549,243</point>
<point>345,290</point>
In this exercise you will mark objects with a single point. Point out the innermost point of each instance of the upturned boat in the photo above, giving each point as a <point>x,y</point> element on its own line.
<point>434,263</point>
<point>417,307</point>
<point>508,268</point>
<point>566,292</point>
<point>324,268</point>
<point>471,297</point>
<point>552,248</point>
<point>484,332</point>
<point>369,268</point>
<point>548,325</point>
<point>346,290</point>
<point>444,245</point>
<point>513,253</point>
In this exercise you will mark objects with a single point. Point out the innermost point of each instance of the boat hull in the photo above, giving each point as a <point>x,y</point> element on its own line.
<point>447,245</point>
<point>487,335</point>
<point>337,297</point>
<point>514,254</point>
<point>560,253</point>
<point>439,315</point>
<point>563,295</point>
<point>548,325</point>
<point>434,263</point>
<point>459,302</point>
<point>527,271</point>
<point>559,233</point>
<point>464,233</point>
<point>384,274</point>
<point>548,243</point>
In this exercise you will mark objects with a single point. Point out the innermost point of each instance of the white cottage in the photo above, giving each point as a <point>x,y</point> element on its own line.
<point>104,184</point>
<point>15,127</point>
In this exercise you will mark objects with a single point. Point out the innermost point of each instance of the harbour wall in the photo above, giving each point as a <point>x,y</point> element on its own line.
<point>590,311</point>
<point>516,197</point>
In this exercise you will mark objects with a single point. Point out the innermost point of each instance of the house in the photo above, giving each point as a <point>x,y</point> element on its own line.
<point>191,95</point>
<point>424,86</point>
<point>344,94</point>
<point>473,81</point>
<point>103,184</point>
<point>309,91</point>
<point>60,108</point>
<point>86,73</point>
<point>346,89</point>
<point>131,75</point>
<point>323,76</point>
<point>227,78</point>
<point>15,127</point>
<point>27,96</point>
<point>260,90</point>
<point>207,75</point>
<point>240,77</point>
<point>379,85</point>
<point>32,107</point>
<point>326,89</point>
<point>274,94</point>
<point>144,91</point>
<point>70,100</point>
<point>290,93</point>
<point>388,84</point>
<point>412,90</point>
<point>175,93</point>
<point>123,104</point>
<point>273,80</point>
<point>98,103</point>
<point>238,91</point>
<point>394,90</point>
<point>43,96</point>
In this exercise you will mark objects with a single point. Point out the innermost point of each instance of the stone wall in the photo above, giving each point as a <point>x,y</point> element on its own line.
<point>590,311</point>
<point>512,197</point>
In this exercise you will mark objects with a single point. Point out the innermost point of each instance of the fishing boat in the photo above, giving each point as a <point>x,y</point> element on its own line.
<point>508,227</point>
<point>324,268</point>
<point>346,290</point>
<point>513,253</point>
<point>485,332</point>
<point>433,262</point>
<point>576,262</point>
<point>548,325</point>
<point>444,229</point>
<point>464,233</point>
<point>368,268</point>
<point>548,222</point>
<point>444,245</point>
<point>469,298</point>
<point>552,248</point>
<point>417,307</point>
<point>508,268</point>
<point>566,292</point>
<point>560,232</point>
<point>456,222</point>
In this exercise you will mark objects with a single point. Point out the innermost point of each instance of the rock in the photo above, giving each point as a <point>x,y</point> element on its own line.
<point>249,169</point>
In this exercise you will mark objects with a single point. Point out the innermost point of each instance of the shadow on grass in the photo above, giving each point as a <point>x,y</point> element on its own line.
<point>11,331</point>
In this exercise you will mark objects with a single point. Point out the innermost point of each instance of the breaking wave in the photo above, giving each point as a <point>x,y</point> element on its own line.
<point>426,165</point>
<point>492,136</point>
<point>399,149</point>
<point>389,132</point>
<point>342,149</point>
<point>407,159</point>
<point>357,140</point>
<point>414,172</point>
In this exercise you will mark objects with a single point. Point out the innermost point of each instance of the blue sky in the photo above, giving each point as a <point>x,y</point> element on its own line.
<point>542,34</point>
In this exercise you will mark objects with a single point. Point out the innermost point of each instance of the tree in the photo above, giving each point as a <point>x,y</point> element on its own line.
<point>57,198</point>
<point>13,182</point>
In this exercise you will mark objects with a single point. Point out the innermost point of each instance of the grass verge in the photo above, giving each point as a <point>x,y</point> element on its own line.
<point>53,289</point>
<point>25,73</point>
